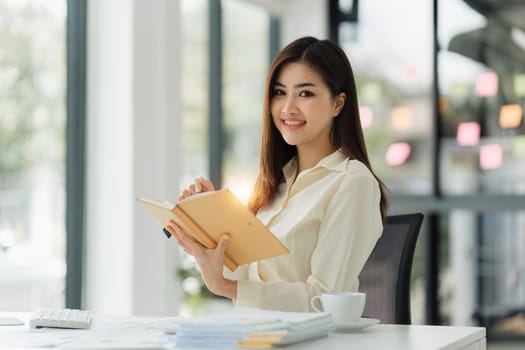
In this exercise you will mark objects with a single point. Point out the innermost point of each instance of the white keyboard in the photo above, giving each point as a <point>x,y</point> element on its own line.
<point>61,318</point>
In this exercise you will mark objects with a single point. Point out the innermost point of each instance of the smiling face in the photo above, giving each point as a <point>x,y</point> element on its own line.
<point>303,108</point>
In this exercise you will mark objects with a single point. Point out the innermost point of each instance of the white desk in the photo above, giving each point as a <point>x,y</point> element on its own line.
<point>147,333</point>
<point>390,337</point>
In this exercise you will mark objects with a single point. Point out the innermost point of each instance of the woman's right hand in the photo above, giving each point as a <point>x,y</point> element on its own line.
<point>210,261</point>
<point>199,185</point>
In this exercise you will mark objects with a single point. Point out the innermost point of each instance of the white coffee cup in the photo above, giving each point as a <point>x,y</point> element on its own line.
<point>345,307</point>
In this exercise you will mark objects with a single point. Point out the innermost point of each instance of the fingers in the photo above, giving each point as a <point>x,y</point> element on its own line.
<point>223,243</point>
<point>195,248</point>
<point>178,233</point>
<point>185,194</point>
<point>187,242</point>
<point>205,184</point>
<point>199,185</point>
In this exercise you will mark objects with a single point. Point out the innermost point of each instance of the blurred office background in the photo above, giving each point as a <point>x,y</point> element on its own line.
<point>105,101</point>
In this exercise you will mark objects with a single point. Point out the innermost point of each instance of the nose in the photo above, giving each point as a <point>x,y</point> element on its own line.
<point>289,106</point>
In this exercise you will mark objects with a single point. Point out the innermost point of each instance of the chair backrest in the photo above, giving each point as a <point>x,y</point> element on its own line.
<point>385,278</point>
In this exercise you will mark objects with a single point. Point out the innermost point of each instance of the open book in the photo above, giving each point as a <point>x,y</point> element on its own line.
<point>209,215</point>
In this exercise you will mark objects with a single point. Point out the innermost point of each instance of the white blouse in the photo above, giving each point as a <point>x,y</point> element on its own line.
<point>329,218</point>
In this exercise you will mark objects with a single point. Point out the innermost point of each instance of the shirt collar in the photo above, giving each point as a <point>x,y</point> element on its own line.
<point>335,161</point>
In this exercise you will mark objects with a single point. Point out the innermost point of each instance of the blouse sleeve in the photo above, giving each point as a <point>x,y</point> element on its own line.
<point>239,274</point>
<point>351,226</point>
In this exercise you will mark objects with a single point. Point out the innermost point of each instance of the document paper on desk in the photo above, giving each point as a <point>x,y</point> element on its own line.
<point>249,328</point>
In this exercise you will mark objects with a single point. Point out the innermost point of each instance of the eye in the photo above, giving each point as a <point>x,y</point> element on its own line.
<point>306,93</point>
<point>278,92</point>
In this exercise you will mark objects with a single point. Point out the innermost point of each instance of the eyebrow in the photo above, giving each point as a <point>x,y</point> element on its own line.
<point>297,86</point>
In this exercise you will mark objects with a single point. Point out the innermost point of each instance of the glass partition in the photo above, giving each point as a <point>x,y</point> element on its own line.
<point>481,79</point>
<point>501,273</point>
<point>482,84</point>
<point>390,50</point>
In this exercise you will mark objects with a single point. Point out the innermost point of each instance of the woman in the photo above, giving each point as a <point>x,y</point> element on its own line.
<point>316,190</point>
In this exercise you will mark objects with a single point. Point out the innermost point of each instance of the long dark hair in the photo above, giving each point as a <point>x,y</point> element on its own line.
<point>332,64</point>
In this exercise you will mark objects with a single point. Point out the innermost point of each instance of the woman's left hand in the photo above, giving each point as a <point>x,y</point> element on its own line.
<point>210,261</point>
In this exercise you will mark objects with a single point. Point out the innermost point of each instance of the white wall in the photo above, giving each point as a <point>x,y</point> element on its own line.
<point>304,17</point>
<point>298,17</point>
<point>133,105</point>
<point>156,96</point>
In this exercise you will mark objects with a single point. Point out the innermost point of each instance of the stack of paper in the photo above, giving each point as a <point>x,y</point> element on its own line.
<point>252,328</point>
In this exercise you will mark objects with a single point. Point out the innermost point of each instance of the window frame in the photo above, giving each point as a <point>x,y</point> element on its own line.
<point>76,52</point>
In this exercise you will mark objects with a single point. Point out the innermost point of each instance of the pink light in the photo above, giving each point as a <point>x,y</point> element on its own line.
<point>468,134</point>
<point>367,116</point>
<point>487,85</point>
<point>411,71</point>
<point>398,153</point>
<point>490,156</point>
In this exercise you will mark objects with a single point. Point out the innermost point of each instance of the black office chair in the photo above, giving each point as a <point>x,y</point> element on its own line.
<point>385,278</point>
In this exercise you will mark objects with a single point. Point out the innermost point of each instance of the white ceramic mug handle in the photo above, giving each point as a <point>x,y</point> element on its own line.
<point>312,303</point>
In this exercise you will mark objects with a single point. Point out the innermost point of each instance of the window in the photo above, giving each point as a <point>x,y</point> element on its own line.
<point>242,73</point>
<point>32,156</point>
<point>194,50</point>
<point>243,91</point>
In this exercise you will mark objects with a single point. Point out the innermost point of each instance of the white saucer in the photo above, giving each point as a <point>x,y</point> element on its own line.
<point>362,323</point>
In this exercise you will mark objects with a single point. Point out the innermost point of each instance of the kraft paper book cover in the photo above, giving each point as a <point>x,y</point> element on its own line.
<point>207,216</point>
